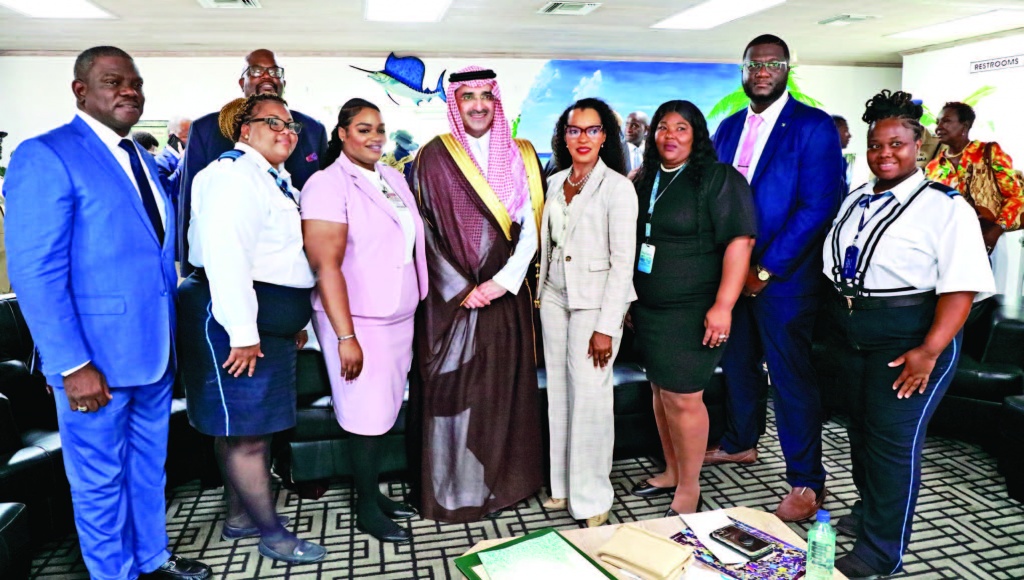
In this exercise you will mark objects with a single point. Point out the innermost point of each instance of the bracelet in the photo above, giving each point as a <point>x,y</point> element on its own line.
<point>346,337</point>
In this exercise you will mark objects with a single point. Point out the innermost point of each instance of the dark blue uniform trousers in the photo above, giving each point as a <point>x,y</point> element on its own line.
<point>886,434</point>
<point>776,329</point>
<point>114,460</point>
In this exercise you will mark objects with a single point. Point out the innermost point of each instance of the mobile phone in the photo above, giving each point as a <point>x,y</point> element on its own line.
<point>737,540</point>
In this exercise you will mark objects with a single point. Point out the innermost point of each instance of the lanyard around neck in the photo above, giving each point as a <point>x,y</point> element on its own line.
<point>656,195</point>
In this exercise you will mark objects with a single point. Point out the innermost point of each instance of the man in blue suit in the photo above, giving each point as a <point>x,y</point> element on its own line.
<point>260,75</point>
<point>168,160</point>
<point>790,154</point>
<point>90,233</point>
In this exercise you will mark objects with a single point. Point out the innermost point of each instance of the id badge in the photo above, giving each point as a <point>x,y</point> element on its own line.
<point>850,262</point>
<point>646,258</point>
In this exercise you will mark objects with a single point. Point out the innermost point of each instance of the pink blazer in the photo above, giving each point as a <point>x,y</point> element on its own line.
<point>375,254</point>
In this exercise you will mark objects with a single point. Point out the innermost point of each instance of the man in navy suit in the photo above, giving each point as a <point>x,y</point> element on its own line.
<point>205,144</point>
<point>90,236</point>
<point>790,154</point>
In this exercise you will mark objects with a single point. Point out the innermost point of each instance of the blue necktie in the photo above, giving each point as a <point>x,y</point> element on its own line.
<point>148,199</point>
<point>282,184</point>
<point>868,199</point>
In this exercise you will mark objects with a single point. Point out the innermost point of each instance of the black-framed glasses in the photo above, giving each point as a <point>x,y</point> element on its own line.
<point>256,71</point>
<point>573,132</point>
<point>278,125</point>
<point>770,65</point>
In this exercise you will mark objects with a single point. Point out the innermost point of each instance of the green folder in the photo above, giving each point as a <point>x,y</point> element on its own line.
<point>467,563</point>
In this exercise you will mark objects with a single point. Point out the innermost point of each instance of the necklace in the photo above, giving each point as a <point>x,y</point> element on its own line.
<point>581,182</point>
<point>950,153</point>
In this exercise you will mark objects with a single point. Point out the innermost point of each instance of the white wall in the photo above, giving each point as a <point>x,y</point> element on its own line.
<point>37,95</point>
<point>946,75</point>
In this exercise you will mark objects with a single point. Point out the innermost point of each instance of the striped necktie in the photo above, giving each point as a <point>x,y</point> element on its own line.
<point>282,184</point>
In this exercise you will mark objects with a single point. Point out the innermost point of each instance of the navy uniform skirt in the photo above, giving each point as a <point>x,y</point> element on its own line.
<point>220,404</point>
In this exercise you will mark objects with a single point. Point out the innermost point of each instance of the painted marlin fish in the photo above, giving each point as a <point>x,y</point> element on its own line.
<point>403,76</point>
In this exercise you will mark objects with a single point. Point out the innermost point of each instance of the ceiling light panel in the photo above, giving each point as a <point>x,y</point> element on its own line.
<point>406,10</point>
<point>977,25</point>
<point>71,9</point>
<point>712,13</point>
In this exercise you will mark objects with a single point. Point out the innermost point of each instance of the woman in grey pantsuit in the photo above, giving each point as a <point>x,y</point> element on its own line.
<point>585,286</point>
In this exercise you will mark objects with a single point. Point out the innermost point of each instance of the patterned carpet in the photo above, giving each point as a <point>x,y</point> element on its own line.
<point>965,528</point>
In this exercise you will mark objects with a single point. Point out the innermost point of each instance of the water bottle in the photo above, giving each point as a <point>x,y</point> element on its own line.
<point>821,548</point>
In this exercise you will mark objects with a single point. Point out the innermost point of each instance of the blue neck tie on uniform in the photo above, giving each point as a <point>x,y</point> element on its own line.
<point>282,184</point>
<point>148,199</point>
<point>868,199</point>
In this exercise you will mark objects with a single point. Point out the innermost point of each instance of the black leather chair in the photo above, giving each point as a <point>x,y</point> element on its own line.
<point>1011,460</point>
<point>31,462</point>
<point>15,553</point>
<point>315,452</point>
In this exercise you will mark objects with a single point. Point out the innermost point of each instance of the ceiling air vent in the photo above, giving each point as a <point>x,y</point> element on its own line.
<point>229,3</point>
<point>845,19</point>
<point>569,8</point>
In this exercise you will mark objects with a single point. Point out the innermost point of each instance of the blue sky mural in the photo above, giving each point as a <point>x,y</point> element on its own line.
<point>626,86</point>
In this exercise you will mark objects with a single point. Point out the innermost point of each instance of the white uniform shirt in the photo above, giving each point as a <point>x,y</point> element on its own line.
<point>934,244</point>
<point>769,117</point>
<point>112,141</point>
<point>244,229</point>
<point>403,211</point>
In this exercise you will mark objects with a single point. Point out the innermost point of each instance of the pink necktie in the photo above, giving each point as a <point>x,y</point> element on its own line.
<point>747,152</point>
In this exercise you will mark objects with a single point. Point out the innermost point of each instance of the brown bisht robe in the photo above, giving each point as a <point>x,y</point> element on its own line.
<point>474,408</point>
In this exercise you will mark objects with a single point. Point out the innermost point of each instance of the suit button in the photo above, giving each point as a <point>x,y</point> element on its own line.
<point>568,258</point>
<point>164,293</point>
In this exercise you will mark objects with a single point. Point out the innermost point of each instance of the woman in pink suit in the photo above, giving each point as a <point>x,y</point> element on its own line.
<point>364,239</point>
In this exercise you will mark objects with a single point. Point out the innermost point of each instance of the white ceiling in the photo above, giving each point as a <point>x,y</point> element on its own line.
<point>619,29</point>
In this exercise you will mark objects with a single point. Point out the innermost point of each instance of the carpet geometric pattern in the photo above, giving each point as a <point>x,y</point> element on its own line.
<point>965,526</point>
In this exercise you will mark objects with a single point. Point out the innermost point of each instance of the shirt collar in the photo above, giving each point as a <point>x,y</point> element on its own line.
<point>771,114</point>
<point>106,134</point>
<point>174,151</point>
<point>483,141</point>
<point>260,161</point>
<point>905,189</point>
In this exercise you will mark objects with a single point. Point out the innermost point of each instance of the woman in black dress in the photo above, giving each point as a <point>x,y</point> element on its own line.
<point>695,232</point>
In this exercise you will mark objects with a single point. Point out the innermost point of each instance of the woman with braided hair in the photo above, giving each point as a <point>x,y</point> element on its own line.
<point>906,258</point>
<point>241,314</point>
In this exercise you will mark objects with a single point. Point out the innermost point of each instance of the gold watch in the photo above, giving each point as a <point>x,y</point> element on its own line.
<point>763,275</point>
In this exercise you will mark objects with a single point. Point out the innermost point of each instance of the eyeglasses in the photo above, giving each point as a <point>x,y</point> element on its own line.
<point>278,125</point>
<point>771,66</point>
<point>573,132</point>
<point>256,72</point>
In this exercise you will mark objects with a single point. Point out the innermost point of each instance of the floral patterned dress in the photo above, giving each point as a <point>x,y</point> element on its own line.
<point>942,170</point>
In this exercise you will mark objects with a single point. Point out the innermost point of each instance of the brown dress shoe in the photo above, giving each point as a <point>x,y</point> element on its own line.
<point>717,456</point>
<point>800,504</point>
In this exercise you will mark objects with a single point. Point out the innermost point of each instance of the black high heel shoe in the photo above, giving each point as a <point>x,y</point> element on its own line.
<point>645,489</point>
<point>700,505</point>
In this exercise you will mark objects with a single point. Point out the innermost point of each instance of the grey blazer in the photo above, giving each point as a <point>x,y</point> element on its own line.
<point>599,248</point>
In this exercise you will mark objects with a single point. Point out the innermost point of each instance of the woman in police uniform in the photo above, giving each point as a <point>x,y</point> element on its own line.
<point>906,258</point>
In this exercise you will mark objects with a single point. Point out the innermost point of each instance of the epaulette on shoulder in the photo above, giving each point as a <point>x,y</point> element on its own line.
<point>233,154</point>
<point>949,191</point>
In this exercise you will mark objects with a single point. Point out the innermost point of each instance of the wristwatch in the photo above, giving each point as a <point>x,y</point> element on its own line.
<point>762,274</point>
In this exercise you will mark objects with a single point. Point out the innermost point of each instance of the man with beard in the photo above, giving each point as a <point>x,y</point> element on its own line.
<point>206,143</point>
<point>481,196</point>
<point>90,232</point>
<point>790,154</point>
<point>636,134</point>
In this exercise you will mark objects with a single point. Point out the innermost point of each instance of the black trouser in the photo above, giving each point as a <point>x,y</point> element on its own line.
<point>886,434</point>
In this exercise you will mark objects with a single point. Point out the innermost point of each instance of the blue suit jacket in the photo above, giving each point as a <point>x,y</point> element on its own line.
<point>205,145</point>
<point>797,185</point>
<point>167,164</point>
<point>92,280</point>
